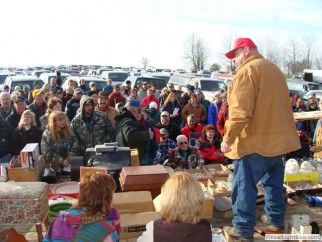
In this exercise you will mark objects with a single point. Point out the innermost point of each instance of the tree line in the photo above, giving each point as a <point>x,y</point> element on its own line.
<point>293,56</point>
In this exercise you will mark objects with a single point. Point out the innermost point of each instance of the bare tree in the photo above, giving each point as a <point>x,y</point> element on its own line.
<point>227,44</point>
<point>144,62</point>
<point>308,46</point>
<point>215,67</point>
<point>294,55</point>
<point>196,52</point>
<point>271,51</point>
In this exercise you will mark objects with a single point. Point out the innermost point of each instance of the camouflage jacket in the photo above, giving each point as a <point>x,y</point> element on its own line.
<point>50,149</point>
<point>100,129</point>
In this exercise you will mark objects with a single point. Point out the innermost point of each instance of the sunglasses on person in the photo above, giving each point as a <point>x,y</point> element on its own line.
<point>181,143</point>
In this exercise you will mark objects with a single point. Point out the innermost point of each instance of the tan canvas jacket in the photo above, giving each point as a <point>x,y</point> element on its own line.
<point>260,115</point>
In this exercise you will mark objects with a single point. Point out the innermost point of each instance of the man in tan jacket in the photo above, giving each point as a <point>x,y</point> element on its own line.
<point>259,132</point>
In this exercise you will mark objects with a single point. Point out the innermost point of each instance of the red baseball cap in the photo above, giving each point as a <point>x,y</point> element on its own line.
<point>240,43</point>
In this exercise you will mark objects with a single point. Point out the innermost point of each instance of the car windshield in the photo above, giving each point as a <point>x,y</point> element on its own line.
<point>118,77</point>
<point>21,83</point>
<point>159,82</point>
<point>315,86</point>
<point>166,78</point>
<point>211,85</point>
<point>99,84</point>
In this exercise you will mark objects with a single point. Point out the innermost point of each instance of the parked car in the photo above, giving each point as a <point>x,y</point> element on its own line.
<point>118,77</point>
<point>3,76</point>
<point>13,81</point>
<point>209,86</point>
<point>37,73</point>
<point>99,82</point>
<point>161,83</point>
<point>227,78</point>
<point>301,85</point>
<point>180,79</point>
<point>46,77</point>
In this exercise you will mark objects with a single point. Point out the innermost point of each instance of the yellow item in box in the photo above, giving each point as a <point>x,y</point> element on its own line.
<point>313,176</point>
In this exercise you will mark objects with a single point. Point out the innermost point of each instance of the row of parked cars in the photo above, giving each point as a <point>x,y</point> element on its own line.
<point>304,89</point>
<point>208,85</point>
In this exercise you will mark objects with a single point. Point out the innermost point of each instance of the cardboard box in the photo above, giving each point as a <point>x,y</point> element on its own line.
<point>216,190</point>
<point>31,148</point>
<point>217,170</point>
<point>208,206</point>
<point>19,174</point>
<point>133,202</point>
<point>200,174</point>
<point>313,176</point>
<point>135,157</point>
<point>133,225</point>
<point>294,187</point>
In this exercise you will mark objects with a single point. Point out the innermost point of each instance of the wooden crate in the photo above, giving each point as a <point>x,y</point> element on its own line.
<point>143,178</point>
<point>19,174</point>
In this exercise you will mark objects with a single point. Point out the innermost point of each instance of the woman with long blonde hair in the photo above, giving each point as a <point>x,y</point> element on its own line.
<point>26,132</point>
<point>58,141</point>
<point>181,212</point>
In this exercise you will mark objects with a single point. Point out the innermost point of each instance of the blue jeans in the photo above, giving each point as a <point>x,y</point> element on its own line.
<point>248,171</point>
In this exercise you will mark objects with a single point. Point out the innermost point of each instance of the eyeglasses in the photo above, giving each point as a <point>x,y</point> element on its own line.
<point>181,143</point>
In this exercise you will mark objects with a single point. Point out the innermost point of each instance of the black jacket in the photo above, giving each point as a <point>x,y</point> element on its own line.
<point>38,112</point>
<point>71,108</point>
<point>172,128</point>
<point>130,133</point>
<point>5,138</point>
<point>13,119</point>
<point>21,137</point>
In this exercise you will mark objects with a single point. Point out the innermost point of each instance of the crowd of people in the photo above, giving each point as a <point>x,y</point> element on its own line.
<point>131,116</point>
<point>177,129</point>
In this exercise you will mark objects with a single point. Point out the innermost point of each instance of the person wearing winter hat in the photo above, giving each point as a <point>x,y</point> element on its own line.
<point>74,103</point>
<point>154,113</point>
<point>258,154</point>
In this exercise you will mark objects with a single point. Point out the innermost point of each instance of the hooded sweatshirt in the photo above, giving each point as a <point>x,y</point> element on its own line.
<point>94,130</point>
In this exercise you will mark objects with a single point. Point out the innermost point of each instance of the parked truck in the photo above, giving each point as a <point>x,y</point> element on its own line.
<point>312,75</point>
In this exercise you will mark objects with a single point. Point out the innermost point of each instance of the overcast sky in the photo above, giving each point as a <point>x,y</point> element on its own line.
<point>120,33</point>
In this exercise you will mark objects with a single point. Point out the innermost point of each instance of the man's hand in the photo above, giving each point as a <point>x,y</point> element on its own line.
<point>151,134</point>
<point>225,147</point>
